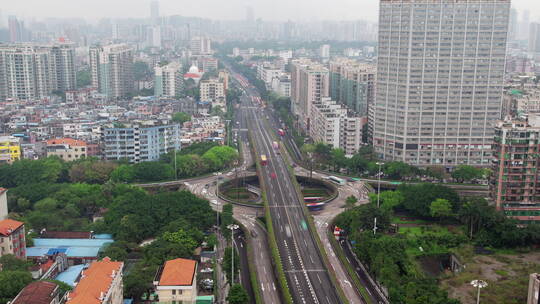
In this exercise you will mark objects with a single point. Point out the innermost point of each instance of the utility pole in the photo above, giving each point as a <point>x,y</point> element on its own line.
<point>378,196</point>
<point>232,227</point>
<point>479,284</point>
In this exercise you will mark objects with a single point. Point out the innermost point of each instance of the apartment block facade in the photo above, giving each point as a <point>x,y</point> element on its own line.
<point>168,80</point>
<point>333,125</point>
<point>12,238</point>
<point>112,70</point>
<point>138,143</point>
<point>309,84</point>
<point>353,84</point>
<point>439,80</point>
<point>515,186</point>
<point>32,71</point>
<point>213,91</point>
<point>200,46</point>
<point>10,149</point>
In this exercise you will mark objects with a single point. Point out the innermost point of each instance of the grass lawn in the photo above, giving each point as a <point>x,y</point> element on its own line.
<point>411,230</point>
<point>309,192</point>
<point>406,220</point>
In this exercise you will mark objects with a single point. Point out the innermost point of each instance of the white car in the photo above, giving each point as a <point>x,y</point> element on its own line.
<point>214,202</point>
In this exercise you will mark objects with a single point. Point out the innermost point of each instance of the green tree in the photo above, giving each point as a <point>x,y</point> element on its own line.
<point>440,208</point>
<point>10,262</point>
<point>11,282</point>
<point>181,117</point>
<point>350,202</point>
<point>418,197</point>
<point>123,173</point>
<point>338,159</point>
<point>467,173</point>
<point>141,70</point>
<point>391,199</point>
<point>237,295</point>
<point>227,263</point>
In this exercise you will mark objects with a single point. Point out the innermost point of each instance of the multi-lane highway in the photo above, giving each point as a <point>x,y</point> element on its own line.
<point>308,279</point>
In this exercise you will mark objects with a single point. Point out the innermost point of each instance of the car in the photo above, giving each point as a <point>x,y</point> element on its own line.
<point>214,202</point>
<point>273,175</point>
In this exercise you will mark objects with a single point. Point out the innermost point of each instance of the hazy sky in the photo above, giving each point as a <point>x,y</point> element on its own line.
<point>216,9</point>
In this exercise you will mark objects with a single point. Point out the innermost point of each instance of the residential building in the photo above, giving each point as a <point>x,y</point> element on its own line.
<point>439,85</point>
<point>533,296</point>
<point>514,187</point>
<point>223,76</point>
<point>534,38</point>
<point>332,125</point>
<point>353,84</point>
<point>112,69</point>
<point>139,143</point>
<point>309,84</point>
<point>10,149</point>
<point>282,85</point>
<point>213,91</point>
<point>168,80</point>
<point>12,238</point>
<point>77,251</point>
<point>32,71</point>
<point>101,283</point>
<point>324,51</point>
<point>176,281</point>
<point>3,204</point>
<point>200,46</point>
<point>207,64</point>
<point>39,292</point>
<point>68,149</point>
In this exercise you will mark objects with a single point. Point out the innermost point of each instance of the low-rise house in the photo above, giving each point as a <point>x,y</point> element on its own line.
<point>40,292</point>
<point>12,238</point>
<point>10,149</point>
<point>176,281</point>
<point>67,149</point>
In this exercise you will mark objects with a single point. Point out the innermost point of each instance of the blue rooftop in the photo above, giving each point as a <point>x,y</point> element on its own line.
<point>71,247</point>
<point>70,275</point>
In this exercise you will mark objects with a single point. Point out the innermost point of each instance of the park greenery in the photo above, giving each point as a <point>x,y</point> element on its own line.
<point>92,195</point>
<point>449,223</point>
<point>237,295</point>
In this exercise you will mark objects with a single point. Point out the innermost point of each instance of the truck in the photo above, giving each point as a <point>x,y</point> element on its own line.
<point>281,132</point>
<point>264,160</point>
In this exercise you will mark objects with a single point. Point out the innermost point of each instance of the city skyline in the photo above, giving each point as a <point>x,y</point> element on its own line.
<point>300,10</point>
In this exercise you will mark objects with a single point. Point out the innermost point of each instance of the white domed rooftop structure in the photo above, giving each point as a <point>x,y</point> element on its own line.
<point>194,69</point>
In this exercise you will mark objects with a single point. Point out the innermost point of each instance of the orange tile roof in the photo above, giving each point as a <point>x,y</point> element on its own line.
<point>178,272</point>
<point>8,226</point>
<point>66,141</point>
<point>97,279</point>
<point>2,190</point>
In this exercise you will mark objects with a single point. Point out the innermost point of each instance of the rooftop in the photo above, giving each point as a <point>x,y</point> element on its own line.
<point>97,279</point>
<point>70,275</point>
<point>8,226</point>
<point>39,292</point>
<point>71,247</point>
<point>178,272</point>
<point>66,235</point>
<point>66,141</point>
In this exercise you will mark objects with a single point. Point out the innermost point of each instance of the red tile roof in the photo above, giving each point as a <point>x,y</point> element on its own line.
<point>2,190</point>
<point>178,272</point>
<point>39,292</point>
<point>66,141</point>
<point>97,279</point>
<point>192,75</point>
<point>8,226</point>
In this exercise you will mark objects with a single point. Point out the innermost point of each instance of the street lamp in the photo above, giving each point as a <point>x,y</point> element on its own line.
<point>379,183</point>
<point>232,227</point>
<point>479,284</point>
<point>378,195</point>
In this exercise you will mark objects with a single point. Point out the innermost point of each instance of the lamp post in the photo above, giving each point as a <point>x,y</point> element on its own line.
<point>232,227</point>
<point>378,195</point>
<point>479,284</point>
<point>379,183</point>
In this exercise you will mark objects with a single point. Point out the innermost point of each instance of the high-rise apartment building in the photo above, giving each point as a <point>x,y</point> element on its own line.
<point>31,71</point>
<point>200,46</point>
<point>439,80</point>
<point>353,84</point>
<point>309,84</point>
<point>534,38</point>
<point>516,168</point>
<point>154,12</point>
<point>138,143</point>
<point>168,80</point>
<point>112,69</point>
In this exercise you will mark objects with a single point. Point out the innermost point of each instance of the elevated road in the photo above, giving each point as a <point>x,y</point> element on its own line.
<point>307,277</point>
